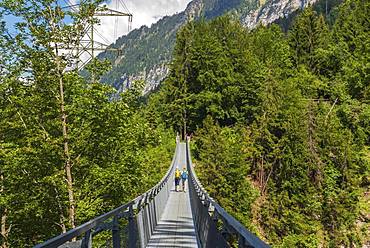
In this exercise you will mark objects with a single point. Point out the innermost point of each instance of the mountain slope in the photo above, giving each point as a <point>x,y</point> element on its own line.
<point>146,52</point>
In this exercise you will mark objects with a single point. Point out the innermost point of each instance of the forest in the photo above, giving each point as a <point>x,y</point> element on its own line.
<point>279,124</point>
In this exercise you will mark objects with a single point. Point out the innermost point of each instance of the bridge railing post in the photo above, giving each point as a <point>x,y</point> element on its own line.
<point>116,233</point>
<point>241,242</point>
<point>87,240</point>
<point>132,233</point>
<point>215,217</point>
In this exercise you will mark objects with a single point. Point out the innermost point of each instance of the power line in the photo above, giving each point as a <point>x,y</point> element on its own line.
<point>85,42</point>
<point>101,36</point>
<point>70,5</point>
<point>124,6</point>
<point>116,23</point>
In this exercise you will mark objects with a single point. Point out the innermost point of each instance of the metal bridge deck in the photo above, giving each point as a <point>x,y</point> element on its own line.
<point>176,227</point>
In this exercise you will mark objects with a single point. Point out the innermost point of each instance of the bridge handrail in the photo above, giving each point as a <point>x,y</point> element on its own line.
<point>245,237</point>
<point>61,239</point>
<point>128,208</point>
<point>150,205</point>
<point>158,186</point>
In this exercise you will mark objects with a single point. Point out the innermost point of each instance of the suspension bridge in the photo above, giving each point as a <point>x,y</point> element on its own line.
<point>162,217</point>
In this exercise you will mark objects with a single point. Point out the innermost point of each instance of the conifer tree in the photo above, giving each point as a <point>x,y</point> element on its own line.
<point>305,117</point>
<point>307,36</point>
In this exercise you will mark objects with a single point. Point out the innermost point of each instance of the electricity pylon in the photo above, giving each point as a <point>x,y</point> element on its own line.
<point>85,42</point>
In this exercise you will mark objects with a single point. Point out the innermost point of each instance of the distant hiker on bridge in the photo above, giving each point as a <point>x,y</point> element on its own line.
<point>184,176</point>
<point>177,178</point>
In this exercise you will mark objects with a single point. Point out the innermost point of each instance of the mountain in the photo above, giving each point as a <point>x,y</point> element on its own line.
<point>272,11</point>
<point>146,52</point>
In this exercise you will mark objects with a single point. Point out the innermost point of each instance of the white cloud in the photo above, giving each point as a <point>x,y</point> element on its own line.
<point>145,12</point>
<point>73,2</point>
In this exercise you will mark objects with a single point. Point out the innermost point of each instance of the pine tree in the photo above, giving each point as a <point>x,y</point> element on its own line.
<point>350,34</point>
<point>307,37</point>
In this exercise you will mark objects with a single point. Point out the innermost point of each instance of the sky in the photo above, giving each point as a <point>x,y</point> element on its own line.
<point>145,12</point>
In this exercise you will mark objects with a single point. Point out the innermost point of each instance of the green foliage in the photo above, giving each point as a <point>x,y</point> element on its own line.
<point>308,36</point>
<point>224,164</point>
<point>215,8</point>
<point>280,123</point>
<point>116,152</point>
<point>352,51</point>
<point>148,48</point>
<point>282,115</point>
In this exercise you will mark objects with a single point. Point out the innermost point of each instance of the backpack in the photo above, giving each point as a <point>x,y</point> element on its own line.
<point>184,175</point>
<point>177,174</point>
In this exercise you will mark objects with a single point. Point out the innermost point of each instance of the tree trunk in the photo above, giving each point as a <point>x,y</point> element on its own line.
<point>261,175</point>
<point>61,223</point>
<point>316,172</point>
<point>4,229</point>
<point>68,171</point>
<point>68,164</point>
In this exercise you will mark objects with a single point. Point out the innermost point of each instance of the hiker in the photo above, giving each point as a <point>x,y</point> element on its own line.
<point>184,176</point>
<point>177,178</point>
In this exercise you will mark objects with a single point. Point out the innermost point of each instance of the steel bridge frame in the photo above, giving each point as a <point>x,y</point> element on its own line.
<point>144,212</point>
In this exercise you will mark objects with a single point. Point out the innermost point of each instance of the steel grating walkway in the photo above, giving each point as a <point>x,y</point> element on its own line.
<point>176,227</point>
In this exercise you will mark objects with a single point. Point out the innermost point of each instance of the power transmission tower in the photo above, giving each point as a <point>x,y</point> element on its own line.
<point>85,43</point>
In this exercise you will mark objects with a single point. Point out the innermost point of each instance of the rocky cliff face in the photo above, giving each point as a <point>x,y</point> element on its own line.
<point>148,51</point>
<point>273,10</point>
<point>194,9</point>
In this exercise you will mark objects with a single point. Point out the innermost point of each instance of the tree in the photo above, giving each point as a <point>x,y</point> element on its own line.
<point>350,33</point>
<point>65,143</point>
<point>223,165</point>
<point>308,36</point>
<point>284,116</point>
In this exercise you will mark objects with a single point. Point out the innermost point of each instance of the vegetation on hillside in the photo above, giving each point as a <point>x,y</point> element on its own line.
<point>147,48</point>
<point>143,49</point>
<point>280,122</point>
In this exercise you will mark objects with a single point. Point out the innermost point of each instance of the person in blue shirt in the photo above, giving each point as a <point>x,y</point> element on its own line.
<point>184,177</point>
